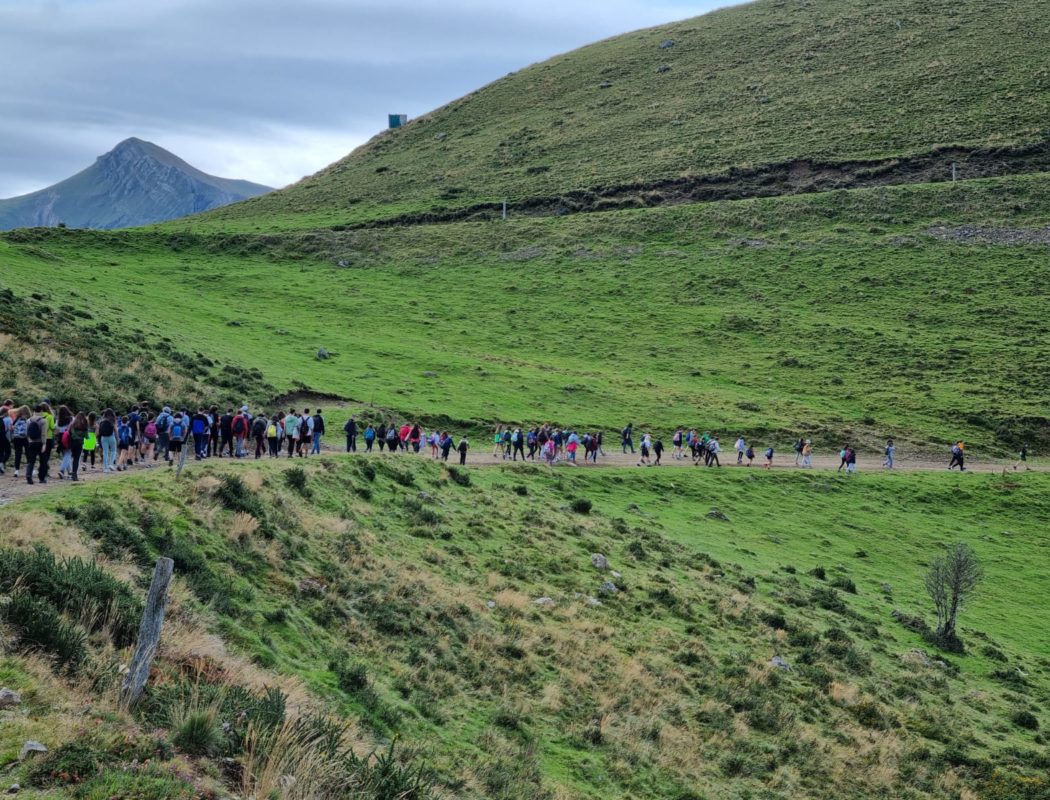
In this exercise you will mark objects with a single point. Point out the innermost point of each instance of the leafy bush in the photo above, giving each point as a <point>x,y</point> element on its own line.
<point>828,599</point>
<point>295,478</point>
<point>351,675</point>
<point>845,584</point>
<point>74,586</point>
<point>73,762</point>
<point>235,496</point>
<point>459,476</point>
<point>1025,719</point>
<point>581,505</point>
<point>38,625</point>
<point>521,490</point>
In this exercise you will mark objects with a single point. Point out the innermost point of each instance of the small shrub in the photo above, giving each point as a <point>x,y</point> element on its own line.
<point>74,762</point>
<point>368,472</point>
<point>38,625</point>
<point>352,676</point>
<point>828,599</point>
<point>581,505</point>
<point>295,478</point>
<point>845,584</point>
<point>197,732</point>
<point>460,477</point>
<point>819,573</point>
<point>235,496</point>
<point>774,620</point>
<point>1025,719</point>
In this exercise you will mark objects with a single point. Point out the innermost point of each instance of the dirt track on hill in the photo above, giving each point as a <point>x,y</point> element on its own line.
<point>15,489</point>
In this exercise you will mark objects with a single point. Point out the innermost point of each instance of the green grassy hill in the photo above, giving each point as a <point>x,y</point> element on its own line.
<point>770,97</point>
<point>843,315</point>
<point>404,597</point>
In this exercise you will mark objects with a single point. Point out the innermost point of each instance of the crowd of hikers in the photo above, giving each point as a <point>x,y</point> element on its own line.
<point>140,437</point>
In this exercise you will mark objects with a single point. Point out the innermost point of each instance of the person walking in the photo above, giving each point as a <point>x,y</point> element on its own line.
<point>20,437</point>
<point>350,429</point>
<point>958,457</point>
<point>851,460</point>
<point>91,441</point>
<point>799,444</point>
<point>370,438</point>
<point>750,455</point>
<point>769,458</point>
<point>1022,459</point>
<point>107,438</point>
<point>291,430</point>
<point>78,432</point>
<point>890,451</point>
<point>741,446</point>
<point>463,447</point>
<point>644,460</point>
<point>36,431</point>
<point>713,449</point>
<point>199,427</point>
<point>517,440</point>
<point>627,438</point>
<point>807,454</point>
<point>842,458</point>
<point>318,432</point>
<point>658,451</point>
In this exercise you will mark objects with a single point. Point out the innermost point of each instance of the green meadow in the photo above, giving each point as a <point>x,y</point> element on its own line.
<point>404,596</point>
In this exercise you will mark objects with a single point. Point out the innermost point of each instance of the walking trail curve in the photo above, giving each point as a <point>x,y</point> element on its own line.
<point>14,489</point>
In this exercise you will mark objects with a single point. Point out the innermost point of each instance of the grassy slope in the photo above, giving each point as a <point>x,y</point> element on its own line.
<point>835,314</point>
<point>666,688</point>
<point>762,83</point>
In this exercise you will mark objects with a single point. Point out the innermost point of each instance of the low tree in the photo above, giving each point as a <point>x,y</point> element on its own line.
<point>951,582</point>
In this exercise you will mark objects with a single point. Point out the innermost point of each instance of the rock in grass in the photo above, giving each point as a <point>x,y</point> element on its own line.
<point>30,749</point>
<point>780,663</point>
<point>608,588</point>
<point>714,513</point>
<point>598,561</point>
<point>9,698</point>
<point>308,587</point>
<point>593,601</point>
<point>322,354</point>
<point>14,788</point>
<point>667,44</point>
<point>545,602</point>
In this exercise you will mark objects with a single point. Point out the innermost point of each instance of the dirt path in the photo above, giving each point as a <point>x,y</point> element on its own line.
<point>13,489</point>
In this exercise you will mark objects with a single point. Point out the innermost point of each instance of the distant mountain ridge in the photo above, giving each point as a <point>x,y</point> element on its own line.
<point>135,183</point>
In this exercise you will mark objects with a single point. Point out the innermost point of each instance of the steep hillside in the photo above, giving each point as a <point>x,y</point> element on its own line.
<point>751,635</point>
<point>135,183</point>
<point>772,97</point>
<point>917,312</point>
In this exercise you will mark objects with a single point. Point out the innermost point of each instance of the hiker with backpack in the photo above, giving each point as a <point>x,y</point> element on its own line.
<point>851,460</point>
<point>317,432</point>
<point>517,441</point>
<point>392,438</point>
<point>20,436</point>
<point>36,431</point>
<point>162,424</point>
<point>658,451</point>
<point>370,438</point>
<point>180,429</point>
<point>44,409</point>
<point>750,454</point>
<point>239,429</point>
<point>958,457</point>
<point>464,445</point>
<point>807,455</point>
<point>124,444</point>
<point>713,449</point>
<point>643,460</point>
<point>842,458</point>
<point>741,446</point>
<point>148,445</point>
<point>799,444</point>
<point>259,426</point>
<point>769,458</point>
<point>107,438</point>
<point>199,426</point>
<point>890,451</point>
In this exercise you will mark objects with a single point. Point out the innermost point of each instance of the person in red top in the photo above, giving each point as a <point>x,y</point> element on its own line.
<point>403,435</point>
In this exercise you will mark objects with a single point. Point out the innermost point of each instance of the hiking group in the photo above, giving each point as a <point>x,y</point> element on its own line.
<point>140,437</point>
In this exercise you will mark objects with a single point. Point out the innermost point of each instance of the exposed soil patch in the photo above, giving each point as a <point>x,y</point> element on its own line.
<point>770,180</point>
<point>1013,237</point>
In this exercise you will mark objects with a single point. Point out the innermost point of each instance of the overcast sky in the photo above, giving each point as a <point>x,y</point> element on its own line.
<point>265,90</point>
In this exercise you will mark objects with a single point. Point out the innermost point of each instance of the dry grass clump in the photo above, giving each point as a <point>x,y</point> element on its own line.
<point>242,527</point>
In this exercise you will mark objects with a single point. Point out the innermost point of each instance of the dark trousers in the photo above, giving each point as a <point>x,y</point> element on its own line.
<point>34,454</point>
<point>368,445</point>
<point>628,444</point>
<point>226,443</point>
<point>519,448</point>
<point>462,457</point>
<point>291,446</point>
<point>382,444</point>
<point>5,449</point>
<point>21,448</point>
<point>45,458</point>
<point>275,447</point>
<point>76,449</point>
<point>351,443</point>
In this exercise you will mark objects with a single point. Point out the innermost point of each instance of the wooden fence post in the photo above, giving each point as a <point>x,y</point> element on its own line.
<point>149,633</point>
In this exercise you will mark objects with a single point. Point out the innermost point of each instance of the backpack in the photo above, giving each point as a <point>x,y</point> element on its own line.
<point>19,429</point>
<point>271,431</point>
<point>105,427</point>
<point>161,425</point>
<point>176,431</point>
<point>151,430</point>
<point>33,430</point>
<point>259,427</point>
<point>769,453</point>
<point>238,425</point>
<point>125,434</point>
<point>391,435</point>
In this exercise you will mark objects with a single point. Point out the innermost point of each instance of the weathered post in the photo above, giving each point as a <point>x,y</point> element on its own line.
<point>149,633</point>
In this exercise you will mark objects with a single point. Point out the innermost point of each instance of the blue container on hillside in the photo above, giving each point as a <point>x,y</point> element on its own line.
<point>398,120</point>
